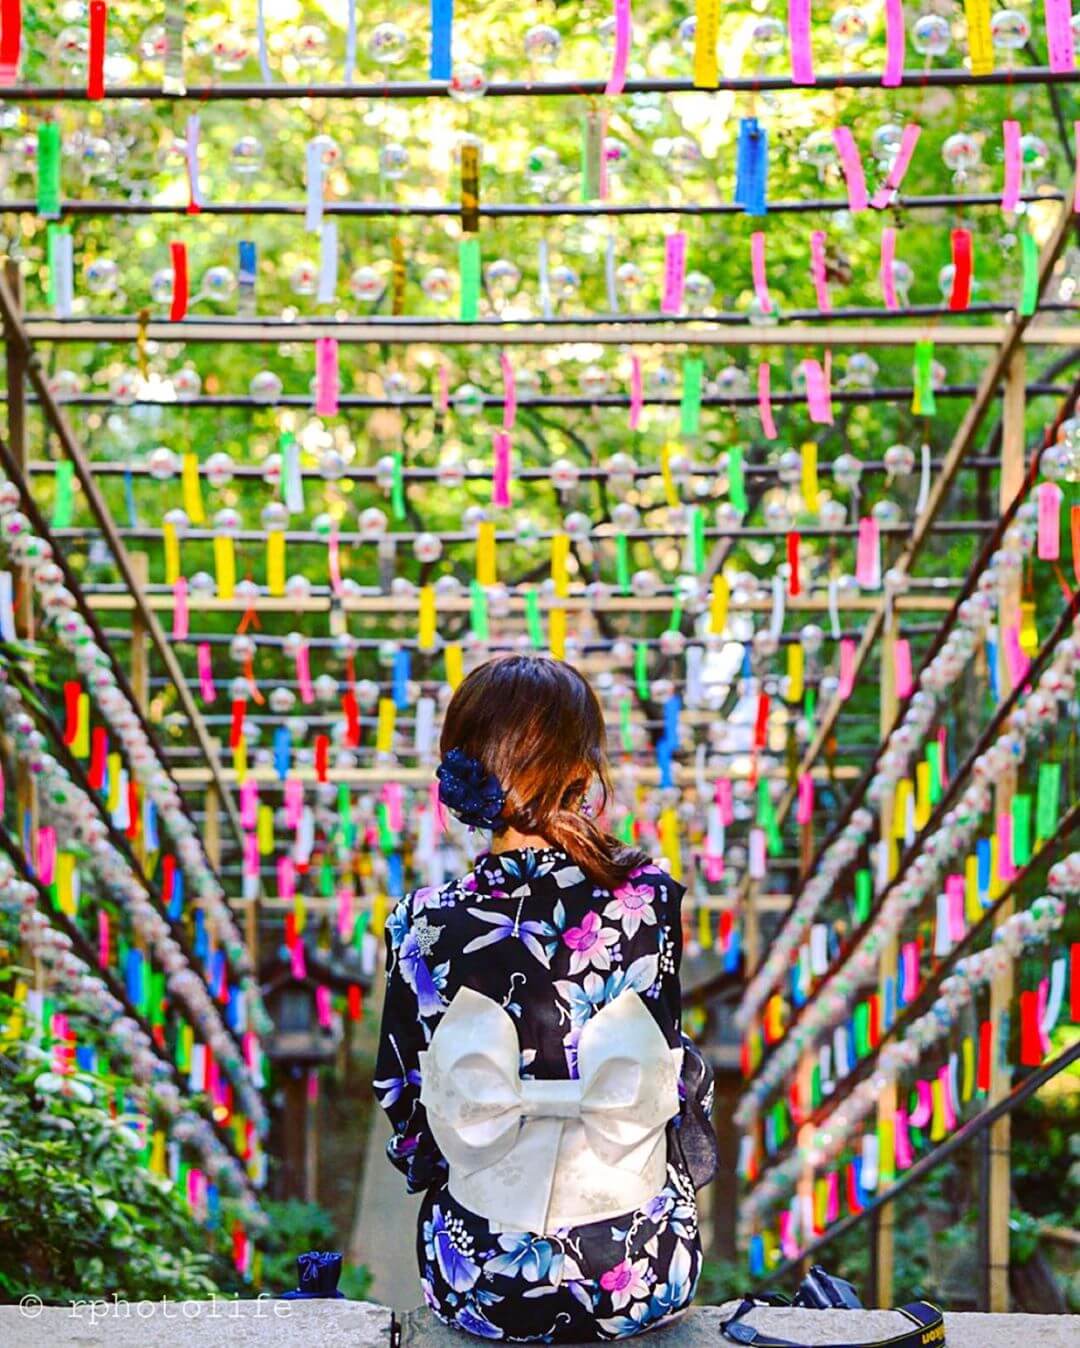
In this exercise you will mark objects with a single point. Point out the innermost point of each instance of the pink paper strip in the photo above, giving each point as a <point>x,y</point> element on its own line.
<point>1018,662</point>
<point>954,894</point>
<point>902,1153</point>
<point>832,1201</point>
<point>102,939</point>
<point>333,554</point>
<point>327,383</point>
<point>757,268</point>
<point>1010,195</point>
<point>817,270</point>
<point>500,478</point>
<point>789,1247</point>
<point>924,1110</point>
<point>818,401</point>
<point>294,801</point>
<point>884,195</point>
<point>868,554</point>
<point>804,810</point>
<point>910,966</point>
<point>180,609</point>
<point>621,57</point>
<point>637,392</point>
<point>948,1105</point>
<point>888,257</point>
<point>1048,495</point>
<point>724,795</point>
<point>393,797</point>
<point>249,803</point>
<point>851,164</point>
<point>46,854</point>
<point>847,669</point>
<point>303,674</point>
<point>346,915</point>
<point>895,38</point>
<point>286,877</point>
<point>1059,36</point>
<point>674,272</point>
<point>312,1086</point>
<point>764,400</point>
<point>802,57</point>
<point>902,667</point>
<point>251,854</point>
<point>206,673</point>
<point>298,960</point>
<point>943,741</point>
<point>436,807</point>
<point>322,1006</point>
<point>1042,996</point>
<point>509,392</point>
<point>1006,868</point>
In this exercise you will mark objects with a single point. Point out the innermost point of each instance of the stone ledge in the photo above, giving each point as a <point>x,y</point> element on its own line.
<point>361,1324</point>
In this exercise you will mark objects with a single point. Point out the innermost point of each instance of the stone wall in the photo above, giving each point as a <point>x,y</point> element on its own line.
<point>361,1324</point>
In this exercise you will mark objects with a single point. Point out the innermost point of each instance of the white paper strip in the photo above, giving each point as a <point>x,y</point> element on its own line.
<point>544,273</point>
<point>328,262</point>
<point>868,1179</point>
<point>425,735</point>
<point>776,622</point>
<point>695,658</point>
<point>7,607</point>
<point>350,43</point>
<point>819,949</point>
<point>63,261</point>
<point>264,55</point>
<point>1056,996</point>
<point>314,178</point>
<point>924,481</point>
<point>757,854</point>
<point>942,944</point>
<point>292,481</point>
<point>834,610</point>
<point>305,836</point>
<point>609,276</point>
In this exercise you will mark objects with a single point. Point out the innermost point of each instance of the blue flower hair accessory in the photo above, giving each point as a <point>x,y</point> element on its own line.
<point>468,791</point>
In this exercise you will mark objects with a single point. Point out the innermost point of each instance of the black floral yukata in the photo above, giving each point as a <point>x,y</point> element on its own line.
<point>529,930</point>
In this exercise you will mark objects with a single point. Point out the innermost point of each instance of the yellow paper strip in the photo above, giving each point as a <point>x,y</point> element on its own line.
<point>240,762</point>
<point>80,745</point>
<point>795,672</point>
<point>157,1152</point>
<point>900,807</point>
<point>669,842</point>
<point>937,1118</point>
<point>384,730</point>
<point>425,637</point>
<point>114,765</point>
<point>980,44</point>
<point>706,68</point>
<point>718,609</point>
<point>265,830</point>
<point>560,552</point>
<point>378,914</point>
<point>670,493</point>
<point>66,897</point>
<point>454,671</point>
<point>972,903</point>
<point>810,475</point>
<point>299,912</point>
<point>557,633</point>
<point>189,481</point>
<point>172,553</point>
<point>1029,633</point>
<point>704,928</point>
<point>886,1149</point>
<point>275,563</point>
<point>996,885</point>
<point>225,566</point>
<point>922,795</point>
<point>967,1079</point>
<point>486,571</point>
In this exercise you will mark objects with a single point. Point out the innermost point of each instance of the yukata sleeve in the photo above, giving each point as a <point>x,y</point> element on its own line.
<point>411,1149</point>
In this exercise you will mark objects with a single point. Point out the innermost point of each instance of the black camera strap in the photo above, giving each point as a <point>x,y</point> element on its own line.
<point>927,1329</point>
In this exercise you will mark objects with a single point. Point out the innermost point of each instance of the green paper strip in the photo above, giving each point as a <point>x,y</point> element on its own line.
<point>348,828</point>
<point>676,619</point>
<point>933,759</point>
<point>532,619</point>
<point>864,895</point>
<point>1046,800</point>
<point>626,736</point>
<point>469,276</point>
<point>397,488</point>
<point>1021,830</point>
<point>780,1124</point>
<point>697,540</point>
<point>52,235</point>
<point>622,563</point>
<point>815,1086</point>
<point>641,670</point>
<point>387,840</point>
<point>48,171</point>
<point>1029,283</point>
<point>766,818</point>
<point>157,998</point>
<point>690,408</point>
<point>736,481</point>
<point>626,830</point>
<point>924,403</point>
<point>359,928</point>
<point>326,878</point>
<point>862,1029</point>
<point>63,494</point>
<point>810,706</point>
<point>478,616</point>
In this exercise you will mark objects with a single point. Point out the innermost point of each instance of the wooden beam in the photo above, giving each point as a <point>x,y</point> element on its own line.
<point>412,776</point>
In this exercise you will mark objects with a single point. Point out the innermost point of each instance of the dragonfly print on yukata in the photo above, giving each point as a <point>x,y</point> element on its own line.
<point>529,930</point>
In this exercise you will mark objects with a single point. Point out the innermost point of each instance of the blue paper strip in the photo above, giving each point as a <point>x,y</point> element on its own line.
<point>442,28</point>
<point>176,903</point>
<point>395,876</point>
<point>282,751</point>
<point>401,680</point>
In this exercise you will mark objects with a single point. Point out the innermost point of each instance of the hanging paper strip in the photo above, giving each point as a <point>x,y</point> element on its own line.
<point>1049,497</point>
<point>706,32</point>
<point>1010,194</point>
<point>95,63</point>
<point>470,188</point>
<point>884,195</point>
<point>980,43</point>
<point>10,40</point>
<point>802,59</point>
<point>442,25</point>
<point>179,304</point>
<point>764,395</point>
<point>846,681</point>
<point>887,268</point>
<point>327,380</point>
<point>48,171</point>
<point>328,263</point>
<point>275,562</point>
<point>757,270</point>
<point>469,274</point>
<point>63,495</point>
<point>818,398</point>
<point>809,470</point>
<point>180,609</point>
<point>1059,35</point>
<point>621,55</point>
<point>895,38</point>
<point>693,371</point>
<point>674,273</point>
<point>924,402</point>
<point>191,162</point>
<point>960,291</point>
<point>173,81</point>
<point>851,166</point>
<point>1029,279</point>
<point>189,483</point>
<point>752,167</point>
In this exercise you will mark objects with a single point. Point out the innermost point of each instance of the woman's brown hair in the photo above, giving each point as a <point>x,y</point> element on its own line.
<point>535,723</point>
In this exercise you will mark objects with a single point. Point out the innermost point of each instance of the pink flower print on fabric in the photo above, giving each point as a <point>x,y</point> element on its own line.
<point>632,905</point>
<point>626,1282</point>
<point>590,943</point>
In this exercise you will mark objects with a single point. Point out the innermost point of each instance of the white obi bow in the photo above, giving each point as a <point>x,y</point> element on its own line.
<point>541,1155</point>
